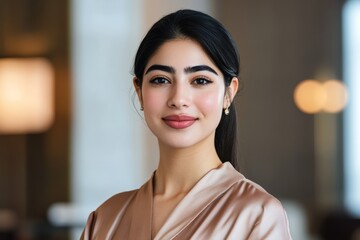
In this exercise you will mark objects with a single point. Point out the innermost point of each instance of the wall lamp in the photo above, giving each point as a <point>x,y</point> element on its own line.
<point>26,95</point>
<point>312,96</point>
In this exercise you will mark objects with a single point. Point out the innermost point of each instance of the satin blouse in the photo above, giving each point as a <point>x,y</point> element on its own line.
<point>223,204</point>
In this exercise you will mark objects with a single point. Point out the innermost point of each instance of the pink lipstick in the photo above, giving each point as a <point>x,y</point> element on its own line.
<point>179,121</point>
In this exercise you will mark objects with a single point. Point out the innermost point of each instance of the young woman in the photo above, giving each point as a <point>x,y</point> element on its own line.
<point>186,72</point>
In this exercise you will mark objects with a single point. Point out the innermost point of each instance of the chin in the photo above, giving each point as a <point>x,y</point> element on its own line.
<point>181,144</point>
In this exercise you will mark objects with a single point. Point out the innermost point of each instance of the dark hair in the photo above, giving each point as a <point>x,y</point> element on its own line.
<point>220,47</point>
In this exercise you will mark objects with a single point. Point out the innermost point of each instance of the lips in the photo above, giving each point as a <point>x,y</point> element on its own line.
<point>179,121</point>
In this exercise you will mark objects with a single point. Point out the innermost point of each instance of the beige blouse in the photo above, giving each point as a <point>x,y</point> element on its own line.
<point>222,205</point>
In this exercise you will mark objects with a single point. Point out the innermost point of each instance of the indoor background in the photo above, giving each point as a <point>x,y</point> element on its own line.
<point>95,142</point>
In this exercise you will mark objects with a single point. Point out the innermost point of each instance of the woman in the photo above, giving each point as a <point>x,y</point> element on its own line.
<point>186,72</point>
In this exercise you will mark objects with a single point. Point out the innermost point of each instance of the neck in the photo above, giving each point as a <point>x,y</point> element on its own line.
<point>180,168</point>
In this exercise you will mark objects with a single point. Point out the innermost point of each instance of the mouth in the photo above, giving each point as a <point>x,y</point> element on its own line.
<point>179,121</point>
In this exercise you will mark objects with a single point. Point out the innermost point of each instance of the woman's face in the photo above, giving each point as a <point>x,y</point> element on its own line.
<point>183,94</point>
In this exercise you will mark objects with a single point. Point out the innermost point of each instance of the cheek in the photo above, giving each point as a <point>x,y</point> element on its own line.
<point>152,99</point>
<point>210,102</point>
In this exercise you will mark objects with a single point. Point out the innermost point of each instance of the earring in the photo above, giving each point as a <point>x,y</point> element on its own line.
<point>226,111</point>
<point>141,108</point>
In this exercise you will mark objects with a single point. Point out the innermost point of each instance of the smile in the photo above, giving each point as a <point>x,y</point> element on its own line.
<point>179,121</point>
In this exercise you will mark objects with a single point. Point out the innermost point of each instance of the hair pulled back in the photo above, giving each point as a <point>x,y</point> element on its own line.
<point>219,46</point>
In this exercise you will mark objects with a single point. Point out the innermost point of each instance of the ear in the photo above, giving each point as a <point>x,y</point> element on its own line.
<point>136,83</point>
<point>231,91</point>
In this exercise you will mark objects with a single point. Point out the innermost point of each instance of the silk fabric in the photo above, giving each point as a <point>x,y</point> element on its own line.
<point>222,205</point>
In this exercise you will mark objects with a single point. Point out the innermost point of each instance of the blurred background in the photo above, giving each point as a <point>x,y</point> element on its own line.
<point>71,134</point>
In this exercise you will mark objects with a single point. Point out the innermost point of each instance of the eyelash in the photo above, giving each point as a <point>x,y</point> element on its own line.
<point>156,80</point>
<point>205,81</point>
<point>197,81</point>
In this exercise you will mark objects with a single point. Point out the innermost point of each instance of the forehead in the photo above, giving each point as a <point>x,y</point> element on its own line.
<point>180,53</point>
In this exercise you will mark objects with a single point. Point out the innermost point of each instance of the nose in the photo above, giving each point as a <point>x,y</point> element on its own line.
<point>179,97</point>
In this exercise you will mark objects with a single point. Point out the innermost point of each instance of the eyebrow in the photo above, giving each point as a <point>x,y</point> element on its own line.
<point>161,68</point>
<point>199,68</point>
<point>186,70</point>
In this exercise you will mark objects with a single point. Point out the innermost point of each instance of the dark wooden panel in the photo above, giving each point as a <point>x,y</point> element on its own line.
<point>34,168</point>
<point>281,43</point>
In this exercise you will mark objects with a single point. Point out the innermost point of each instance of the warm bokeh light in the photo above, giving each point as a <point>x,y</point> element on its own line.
<point>310,96</point>
<point>337,96</point>
<point>26,95</point>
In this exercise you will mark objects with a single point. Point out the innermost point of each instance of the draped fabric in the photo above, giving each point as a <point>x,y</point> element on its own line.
<point>223,204</point>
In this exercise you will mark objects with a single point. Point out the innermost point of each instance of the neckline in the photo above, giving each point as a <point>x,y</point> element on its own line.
<point>219,179</point>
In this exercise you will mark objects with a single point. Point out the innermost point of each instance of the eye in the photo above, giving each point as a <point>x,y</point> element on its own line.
<point>159,81</point>
<point>202,81</point>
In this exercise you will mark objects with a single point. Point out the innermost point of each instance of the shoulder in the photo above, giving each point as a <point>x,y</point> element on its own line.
<point>262,209</point>
<point>241,187</point>
<point>242,192</point>
<point>254,191</point>
<point>115,204</point>
<point>250,194</point>
<point>100,221</point>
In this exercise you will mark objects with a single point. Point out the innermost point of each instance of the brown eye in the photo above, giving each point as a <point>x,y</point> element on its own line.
<point>202,81</point>
<point>159,81</point>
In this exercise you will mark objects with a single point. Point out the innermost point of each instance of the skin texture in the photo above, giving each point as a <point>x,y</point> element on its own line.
<point>181,82</point>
